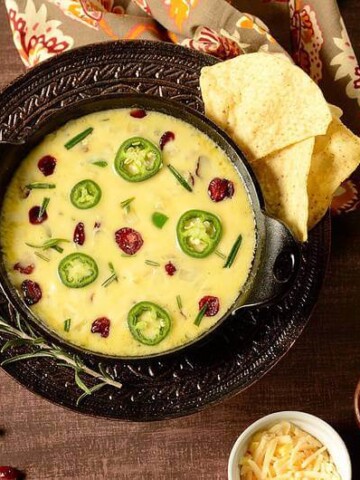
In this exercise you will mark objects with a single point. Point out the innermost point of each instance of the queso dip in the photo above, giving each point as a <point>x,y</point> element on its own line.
<point>127,232</point>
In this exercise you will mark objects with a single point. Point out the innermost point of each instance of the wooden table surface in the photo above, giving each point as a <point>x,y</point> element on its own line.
<point>318,376</point>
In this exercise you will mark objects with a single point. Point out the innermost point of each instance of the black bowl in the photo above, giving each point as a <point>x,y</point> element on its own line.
<point>276,256</point>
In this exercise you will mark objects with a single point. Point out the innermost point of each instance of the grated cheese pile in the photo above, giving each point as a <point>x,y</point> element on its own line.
<point>285,452</point>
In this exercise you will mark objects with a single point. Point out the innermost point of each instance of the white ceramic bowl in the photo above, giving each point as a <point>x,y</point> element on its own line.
<point>309,423</point>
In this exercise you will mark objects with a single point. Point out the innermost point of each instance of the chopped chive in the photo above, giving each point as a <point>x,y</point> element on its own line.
<point>113,277</point>
<point>201,314</point>
<point>153,264</point>
<point>43,207</point>
<point>233,252</point>
<point>78,138</point>
<point>40,255</point>
<point>39,185</point>
<point>100,163</point>
<point>67,324</point>
<point>180,178</point>
<point>126,204</point>
<point>219,254</point>
<point>159,219</point>
<point>52,243</point>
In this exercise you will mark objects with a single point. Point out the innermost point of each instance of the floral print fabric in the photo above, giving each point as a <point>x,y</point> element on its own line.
<point>319,41</point>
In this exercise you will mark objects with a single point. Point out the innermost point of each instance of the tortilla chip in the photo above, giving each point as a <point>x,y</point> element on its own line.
<point>283,179</point>
<point>336,156</point>
<point>263,102</point>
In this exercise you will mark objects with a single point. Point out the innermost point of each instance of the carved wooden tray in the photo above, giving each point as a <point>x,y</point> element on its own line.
<point>243,349</point>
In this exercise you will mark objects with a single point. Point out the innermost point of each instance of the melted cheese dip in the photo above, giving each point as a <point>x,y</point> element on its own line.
<point>137,281</point>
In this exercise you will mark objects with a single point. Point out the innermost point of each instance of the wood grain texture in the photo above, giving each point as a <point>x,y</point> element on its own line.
<point>319,376</point>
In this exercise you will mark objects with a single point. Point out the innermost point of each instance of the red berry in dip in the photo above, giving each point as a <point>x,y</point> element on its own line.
<point>220,188</point>
<point>129,240</point>
<point>47,165</point>
<point>10,473</point>
<point>25,269</point>
<point>101,325</point>
<point>34,216</point>
<point>213,305</point>
<point>79,234</point>
<point>138,113</point>
<point>165,138</point>
<point>170,269</point>
<point>31,291</point>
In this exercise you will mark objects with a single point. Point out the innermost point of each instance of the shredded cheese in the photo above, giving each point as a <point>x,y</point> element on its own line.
<point>285,452</point>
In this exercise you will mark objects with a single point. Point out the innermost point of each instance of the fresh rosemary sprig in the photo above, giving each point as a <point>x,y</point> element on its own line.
<point>113,277</point>
<point>52,243</point>
<point>220,254</point>
<point>67,325</point>
<point>180,305</point>
<point>201,314</point>
<point>180,178</point>
<point>40,255</point>
<point>78,138</point>
<point>126,204</point>
<point>233,252</point>
<point>24,335</point>
<point>43,207</point>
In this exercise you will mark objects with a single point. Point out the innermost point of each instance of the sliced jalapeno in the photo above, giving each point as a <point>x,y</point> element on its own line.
<point>77,270</point>
<point>138,159</point>
<point>148,323</point>
<point>85,194</point>
<point>198,233</point>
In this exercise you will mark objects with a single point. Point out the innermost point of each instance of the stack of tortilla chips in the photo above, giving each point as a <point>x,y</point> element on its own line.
<point>295,142</point>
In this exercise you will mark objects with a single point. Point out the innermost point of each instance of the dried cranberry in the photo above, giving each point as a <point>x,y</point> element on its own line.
<point>26,270</point>
<point>170,269</point>
<point>213,305</point>
<point>220,188</point>
<point>138,113</point>
<point>165,138</point>
<point>10,473</point>
<point>129,240</point>
<point>34,216</point>
<point>79,234</point>
<point>47,165</point>
<point>101,325</point>
<point>31,291</point>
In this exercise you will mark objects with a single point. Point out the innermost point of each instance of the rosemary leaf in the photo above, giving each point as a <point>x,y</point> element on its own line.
<point>67,325</point>
<point>93,389</point>
<point>219,254</point>
<point>25,356</point>
<point>80,383</point>
<point>43,207</point>
<point>57,248</point>
<point>180,178</point>
<point>233,252</point>
<point>100,163</point>
<point>39,185</point>
<point>113,277</point>
<point>78,138</point>
<point>40,255</point>
<point>152,263</point>
<point>126,204</point>
<point>200,315</point>
<point>52,243</point>
<point>179,302</point>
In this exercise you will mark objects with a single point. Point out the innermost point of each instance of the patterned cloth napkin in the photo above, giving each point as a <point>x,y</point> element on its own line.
<point>311,31</point>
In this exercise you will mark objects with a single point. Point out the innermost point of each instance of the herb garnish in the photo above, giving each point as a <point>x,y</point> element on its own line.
<point>220,254</point>
<point>201,314</point>
<point>100,163</point>
<point>152,263</point>
<point>126,204</point>
<point>52,243</point>
<point>43,207</point>
<point>67,324</point>
<point>113,277</point>
<point>40,255</point>
<point>78,138</point>
<point>180,305</point>
<point>233,252</point>
<point>180,178</point>
<point>39,185</point>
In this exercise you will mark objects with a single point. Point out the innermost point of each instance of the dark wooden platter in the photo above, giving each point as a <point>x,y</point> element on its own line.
<point>246,346</point>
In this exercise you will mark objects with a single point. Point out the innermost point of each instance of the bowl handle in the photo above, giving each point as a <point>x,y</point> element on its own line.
<point>278,266</point>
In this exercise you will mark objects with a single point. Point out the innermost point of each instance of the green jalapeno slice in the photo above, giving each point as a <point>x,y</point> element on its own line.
<point>148,323</point>
<point>138,159</point>
<point>198,233</point>
<point>77,270</point>
<point>85,194</point>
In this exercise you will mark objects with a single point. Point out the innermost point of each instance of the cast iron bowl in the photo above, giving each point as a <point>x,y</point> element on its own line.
<point>276,255</point>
